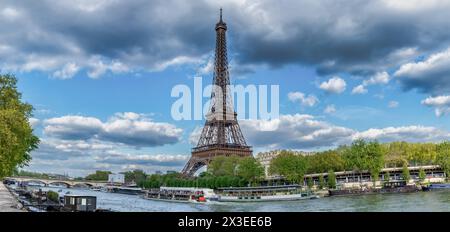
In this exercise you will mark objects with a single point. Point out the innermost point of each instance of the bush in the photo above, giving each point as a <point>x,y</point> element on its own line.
<point>53,196</point>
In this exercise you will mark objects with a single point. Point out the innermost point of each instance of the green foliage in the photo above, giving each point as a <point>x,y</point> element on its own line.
<point>289,165</point>
<point>321,182</point>
<point>405,173</point>
<point>98,176</point>
<point>23,173</point>
<point>422,175</point>
<point>223,166</point>
<point>310,182</point>
<point>443,157</point>
<point>362,155</point>
<point>250,170</point>
<point>387,177</point>
<point>136,176</point>
<point>16,134</point>
<point>331,181</point>
<point>53,196</point>
<point>321,162</point>
<point>170,180</point>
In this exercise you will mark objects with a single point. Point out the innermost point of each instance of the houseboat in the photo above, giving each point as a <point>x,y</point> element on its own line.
<point>78,203</point>
<point>181,194</point>
<point>124,190</point>
<point>397,186</point>
<point>436,187</point>
<point>264,193</point>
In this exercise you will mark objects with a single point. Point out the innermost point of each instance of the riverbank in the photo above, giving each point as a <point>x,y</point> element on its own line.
<point>8,203</point>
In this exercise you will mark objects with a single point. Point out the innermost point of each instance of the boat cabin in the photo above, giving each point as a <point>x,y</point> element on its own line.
<point>394,184</point>
<point>260,190</point>
<point>77,203</point>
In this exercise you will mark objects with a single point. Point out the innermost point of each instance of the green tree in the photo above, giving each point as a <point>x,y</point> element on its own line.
<point>292,167</point>
<point>310,182</point>
<point>323,161</point>
<point>16,134</point>
<point>137,176</point>
<point>387,177</point>
<point>98,176</point>
<point>405,173</point>
<point>53,196</point>
<point>321,182</point>
<point>224,165</point>
<point>443,157</point>
<point>422,175</point>
<point>250,169</point>
<point>331,179</point>
<point>362,155</point>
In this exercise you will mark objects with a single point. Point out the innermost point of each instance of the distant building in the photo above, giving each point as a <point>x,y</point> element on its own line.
<point>266,157</point>
<point>158,172</point>
<point>171,172</point>
<point>116,178</point>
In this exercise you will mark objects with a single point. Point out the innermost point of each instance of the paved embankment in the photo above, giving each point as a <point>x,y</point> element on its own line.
<point>8,202</point>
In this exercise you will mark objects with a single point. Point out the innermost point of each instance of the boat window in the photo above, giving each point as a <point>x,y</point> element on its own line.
<point>83,201</point>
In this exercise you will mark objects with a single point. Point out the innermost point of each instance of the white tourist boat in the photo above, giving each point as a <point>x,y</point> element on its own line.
<point>264,193</point>
<point>181,194</point>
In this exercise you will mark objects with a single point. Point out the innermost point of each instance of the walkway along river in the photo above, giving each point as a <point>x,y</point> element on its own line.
<point>433,201</point>
<point>7,201</point>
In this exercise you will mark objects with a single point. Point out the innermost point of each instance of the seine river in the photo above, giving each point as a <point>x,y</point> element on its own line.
<point>434,201</point>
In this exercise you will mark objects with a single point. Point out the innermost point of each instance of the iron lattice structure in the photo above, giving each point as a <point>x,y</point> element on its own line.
<point>221,135</point>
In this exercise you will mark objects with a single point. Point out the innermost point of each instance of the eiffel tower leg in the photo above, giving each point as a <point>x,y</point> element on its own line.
<point>193,165</point>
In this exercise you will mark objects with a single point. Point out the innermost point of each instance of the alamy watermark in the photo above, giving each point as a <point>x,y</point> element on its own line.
<point>252,102</point>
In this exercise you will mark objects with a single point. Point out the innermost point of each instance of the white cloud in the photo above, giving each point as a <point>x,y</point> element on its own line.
<point>81,157</point>
<point>393,104</point>
<point>67,72</point>
<point>306,132</point>
<point>126,128</point>
<point>429,75</point>
<point>334,85</point>
<point>195,135</point>
<point>360,89</point>
<point>34,122</point>
<point>441,104</point>
<point>330,109</point>
<point>309,100</point>
<point>378,78</point>
<point>294,131</point>
<point>177,61</point>
<point>98,67</point>
<point>405,133</point>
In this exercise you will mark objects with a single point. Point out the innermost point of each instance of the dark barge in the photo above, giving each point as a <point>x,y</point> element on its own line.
<point>388,187</point>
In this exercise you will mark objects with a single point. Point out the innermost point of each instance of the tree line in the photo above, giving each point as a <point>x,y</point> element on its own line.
<point>16,134</point>
<point>360,156</point>
<point>222,172</point>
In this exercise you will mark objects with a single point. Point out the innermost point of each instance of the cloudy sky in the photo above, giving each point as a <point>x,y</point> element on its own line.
<point>100,74</point>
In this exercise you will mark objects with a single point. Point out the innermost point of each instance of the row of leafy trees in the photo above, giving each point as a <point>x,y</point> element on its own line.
<point>16,134</point>
<point>222,172</point>
<point>360,156</point>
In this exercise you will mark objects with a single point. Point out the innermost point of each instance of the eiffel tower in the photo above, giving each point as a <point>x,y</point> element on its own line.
<point>221,135</point>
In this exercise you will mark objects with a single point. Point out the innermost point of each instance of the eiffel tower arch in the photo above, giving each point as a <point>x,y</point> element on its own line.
<point>221,134</point>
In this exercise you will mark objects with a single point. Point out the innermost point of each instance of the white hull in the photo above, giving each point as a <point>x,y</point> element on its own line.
<point>179,201</point>
<point>291,197</point>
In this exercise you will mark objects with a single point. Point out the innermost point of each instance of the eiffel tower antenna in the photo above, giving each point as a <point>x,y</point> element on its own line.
<point>221,134</point>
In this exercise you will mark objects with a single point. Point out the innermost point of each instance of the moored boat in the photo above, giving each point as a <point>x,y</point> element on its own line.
<point>436,187</point>
<point>388,187</point>
<point>264,193</point>
<point>124,190</point>
<point>181,194</point>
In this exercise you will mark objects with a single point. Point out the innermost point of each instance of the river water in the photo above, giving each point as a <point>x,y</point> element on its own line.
<point>434,201</point>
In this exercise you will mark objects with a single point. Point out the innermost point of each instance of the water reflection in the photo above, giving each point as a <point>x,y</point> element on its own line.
<point>435,201</point>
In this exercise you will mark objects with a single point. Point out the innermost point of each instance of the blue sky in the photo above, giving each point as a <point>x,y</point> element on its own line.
<point>100,74</point>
